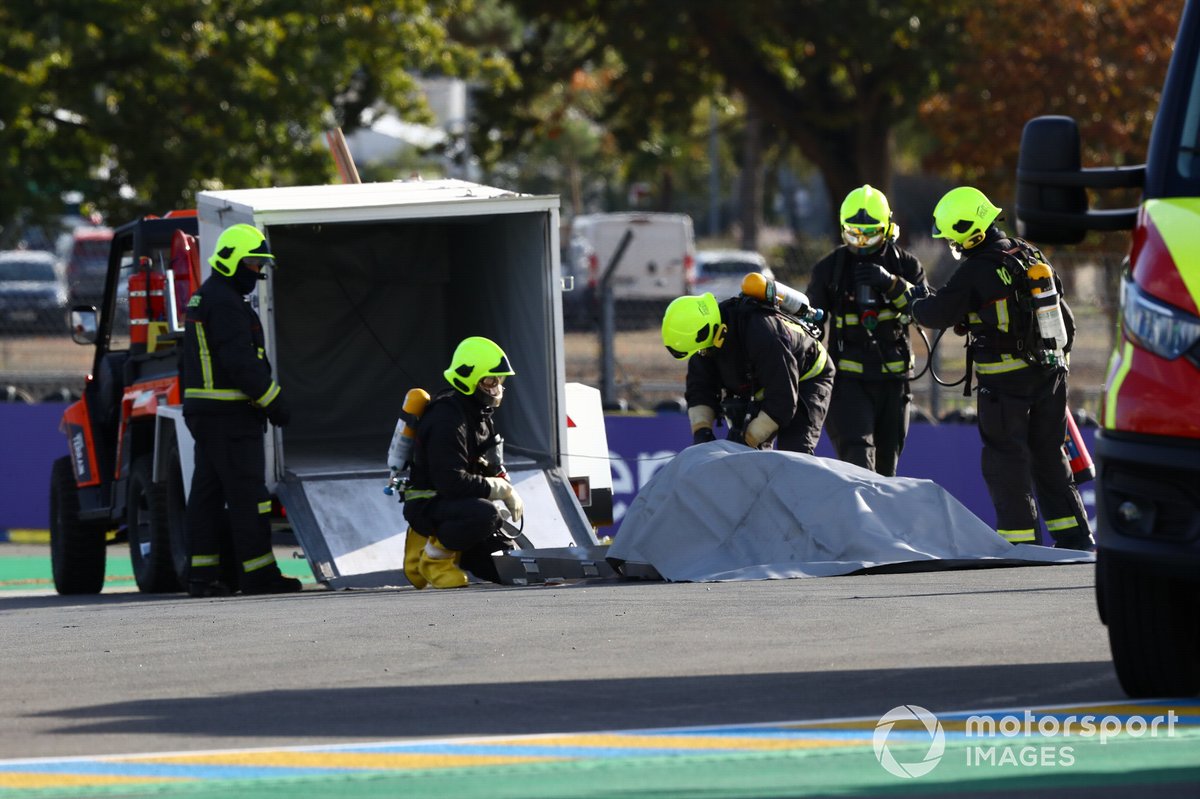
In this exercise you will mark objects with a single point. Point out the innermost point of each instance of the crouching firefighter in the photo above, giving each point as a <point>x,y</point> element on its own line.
<point>456,474</point>
<point>229,396</point>
<point>1019,332</point>
<point>761,366</point>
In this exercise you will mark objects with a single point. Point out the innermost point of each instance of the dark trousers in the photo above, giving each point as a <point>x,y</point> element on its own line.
<point>1022,421</point>
<point>229,493</point>
<point>812,403</point>
<point>467,525</point>
<point>868,422</point>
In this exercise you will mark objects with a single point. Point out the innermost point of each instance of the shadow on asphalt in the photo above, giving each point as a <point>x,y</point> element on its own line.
<point>590,705</point>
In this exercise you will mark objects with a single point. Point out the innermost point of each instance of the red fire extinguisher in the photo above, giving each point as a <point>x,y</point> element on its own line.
<point>145,301</point>
<point>1082,467</point>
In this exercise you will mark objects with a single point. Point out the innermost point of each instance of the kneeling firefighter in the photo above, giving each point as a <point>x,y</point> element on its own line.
<point>456,475</point>
<point>762,367</point>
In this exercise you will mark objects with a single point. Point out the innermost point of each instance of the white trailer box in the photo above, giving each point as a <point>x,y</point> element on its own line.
<point>375,285</point>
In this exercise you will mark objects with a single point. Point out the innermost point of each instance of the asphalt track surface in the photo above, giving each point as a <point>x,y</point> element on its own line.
<point>627,689</point>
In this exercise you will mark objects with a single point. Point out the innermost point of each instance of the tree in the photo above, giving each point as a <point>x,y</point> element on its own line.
<point>834,76</point>
<point>1101,61</point>
<point>141,105</point>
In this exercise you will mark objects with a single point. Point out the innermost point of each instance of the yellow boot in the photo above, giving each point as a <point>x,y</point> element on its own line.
<point>439,566</point>
<point>414,545</point>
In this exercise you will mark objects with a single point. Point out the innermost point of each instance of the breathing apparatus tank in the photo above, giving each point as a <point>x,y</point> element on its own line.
<point>400,451</point>
<point>1047,313</point>
<point>787,299</point>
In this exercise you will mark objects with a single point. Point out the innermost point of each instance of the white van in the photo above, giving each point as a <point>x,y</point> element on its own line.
<point>657,266</point>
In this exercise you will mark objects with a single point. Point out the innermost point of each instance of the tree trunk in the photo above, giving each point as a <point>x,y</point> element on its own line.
<point>750,182</point>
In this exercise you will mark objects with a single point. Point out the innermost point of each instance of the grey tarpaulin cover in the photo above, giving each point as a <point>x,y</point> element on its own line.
<point>721,511</point>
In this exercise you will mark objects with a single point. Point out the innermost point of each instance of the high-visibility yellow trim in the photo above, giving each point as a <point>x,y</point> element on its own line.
<point>974,318</point>
<point>254,564</point>
<point>206,560</point>
<point>1007,363</point>
<point>214,394</point>
<point>901,300</point>
<point>206,378</point>
<point>1177,220</point>
<point>1125,356</point>
<point>1065,523</point>
<point>265,506</point>
<point>896,366</point>
<point>817,367</point>
<point>847,365</point>
<point>268,396</point>
<point>419,493</point>
<point>1002,315</point>
<point>1018,536</point>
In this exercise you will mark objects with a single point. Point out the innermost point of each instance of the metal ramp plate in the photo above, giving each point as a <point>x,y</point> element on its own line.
<point>353,534</point>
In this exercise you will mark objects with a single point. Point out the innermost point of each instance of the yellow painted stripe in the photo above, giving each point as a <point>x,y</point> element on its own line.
<point>1124,360</point>
<point>21,779</point>
<point>363,760</point>
<point>1177,221</point>
<point>21,536</point>
<point>696,742</point>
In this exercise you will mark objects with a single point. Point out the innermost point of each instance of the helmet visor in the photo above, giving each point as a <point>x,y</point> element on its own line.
<point>863,236</point>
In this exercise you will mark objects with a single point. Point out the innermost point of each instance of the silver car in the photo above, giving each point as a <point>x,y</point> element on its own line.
<point>721,271</point>
<point>33,293</point>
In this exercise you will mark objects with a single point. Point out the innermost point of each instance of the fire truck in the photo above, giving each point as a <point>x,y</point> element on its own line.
<point>376,283</point>
<point>1148,448</point>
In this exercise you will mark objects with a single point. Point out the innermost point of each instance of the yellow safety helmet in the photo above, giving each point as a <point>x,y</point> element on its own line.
<point>963,216</point>
<point>866,219</point>
<point>235,243</point>
<point>475,358</point>
<point>691,324</point>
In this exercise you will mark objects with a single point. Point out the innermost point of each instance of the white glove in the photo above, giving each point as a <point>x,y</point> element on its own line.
<point>501,489</point>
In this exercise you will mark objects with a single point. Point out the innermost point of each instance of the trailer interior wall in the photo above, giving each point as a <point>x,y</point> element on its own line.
<point>364,311</point>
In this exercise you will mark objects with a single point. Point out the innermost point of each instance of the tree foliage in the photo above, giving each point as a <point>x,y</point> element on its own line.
<point>1100,61</point>
<point>141,105</point>
<point>832,76</point>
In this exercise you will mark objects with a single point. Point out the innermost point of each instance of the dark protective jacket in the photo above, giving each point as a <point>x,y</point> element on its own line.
<point>882,354</point>
<point>450,449</point>
<point>986,293</point>
<point>763,353</point>
<point>224,369</point>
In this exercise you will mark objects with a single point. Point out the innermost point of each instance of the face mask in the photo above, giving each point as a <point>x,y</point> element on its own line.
<point>490,397</point>
<point>245,281</point>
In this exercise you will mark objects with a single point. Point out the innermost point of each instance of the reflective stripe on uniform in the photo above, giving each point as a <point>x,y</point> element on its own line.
<point>265,506</point>
<point>1007,363</point>
<point>1017,536</point>
<point>206,379</point>
<point>206,560</point>
<point>254,564</point>
<point>214,394</point>
<point>269,395</point>
<point>846,365</point>
<point>1002,315</point>
<point>419,493</point>
<point>896,366</point>
<point>1065,523</point>
<point>817,367</point>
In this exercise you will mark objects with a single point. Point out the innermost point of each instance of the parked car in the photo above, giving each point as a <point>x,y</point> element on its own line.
<point>33,294</point>
<point>86,257</point>
<point>721,271</point>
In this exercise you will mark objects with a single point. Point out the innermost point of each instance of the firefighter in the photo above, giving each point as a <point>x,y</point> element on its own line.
<point>869,341</point>
<point>229,395</point>
<point>457,473</point>
<point>762,370</point>
<point>1022,401</point>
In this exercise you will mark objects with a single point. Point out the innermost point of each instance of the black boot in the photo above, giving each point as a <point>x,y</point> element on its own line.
<point>274,583</point>
<point>203,588</point>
